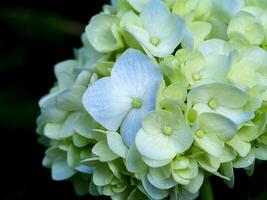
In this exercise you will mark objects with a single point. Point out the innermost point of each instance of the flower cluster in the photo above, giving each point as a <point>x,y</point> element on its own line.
<point>162,95</point>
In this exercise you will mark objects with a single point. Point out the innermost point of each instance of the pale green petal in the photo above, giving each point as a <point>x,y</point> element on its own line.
<point>208,162</point>
<point>102,150</point>
<point>255,99</point>
<point>102,33</point>
<point>84,125</point>
<point>64,73</point>
<point>179,179</point>
<point>199,30</point>
<point>253,130</point>
<point>182,138</point>
<point>52,130</point>
<point>223,94</point>
<point>157,179</point>
<point>73,156</point>
<point>259,3</point>
<point>228,154</point>
<point>246,25</point>
<point>70,100</point>
<point>219,28</point>
<point>211,144</point>
<point>224,128</point>
<point>152,191</point>
<point>134,162</point>
<point>245,161</point>
<point>116,144</point>
<point>218,73</point>
<point>61,170</point>
<point>260,151</point>
<point>228,171</point>
<point>102,176</point>
<point>226,9</point>
<point>67,128</point>
<point>49,110</point>
<point>195,183</point>
<point>240,146</point>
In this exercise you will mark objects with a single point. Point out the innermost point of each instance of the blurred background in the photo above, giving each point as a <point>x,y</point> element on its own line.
<point>35,35</point>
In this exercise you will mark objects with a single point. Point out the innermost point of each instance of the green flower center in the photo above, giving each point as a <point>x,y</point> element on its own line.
<point>137,103</point>
<point>200,133</point>
<point>213,104</point>
<point>196,77</point>
<point>167,130</point>
<point>155,41</point>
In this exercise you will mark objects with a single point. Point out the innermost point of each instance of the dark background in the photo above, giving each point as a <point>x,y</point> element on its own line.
<point>34,35</point>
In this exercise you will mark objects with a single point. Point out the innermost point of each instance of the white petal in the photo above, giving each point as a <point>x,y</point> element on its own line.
<point>105,104</point>
<point>157,147</point>
<point>236,115</point>
<point>133,73</point>
<point>138,4</point>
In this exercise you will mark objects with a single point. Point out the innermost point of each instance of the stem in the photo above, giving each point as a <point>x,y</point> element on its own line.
<point>206,192</point>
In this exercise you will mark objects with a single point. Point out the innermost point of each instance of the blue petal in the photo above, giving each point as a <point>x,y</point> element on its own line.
<point>105,104</point>
<point>133,73</point>
<point>132,122</point>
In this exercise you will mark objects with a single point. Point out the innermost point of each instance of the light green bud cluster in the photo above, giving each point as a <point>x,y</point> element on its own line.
<point>162,95</point>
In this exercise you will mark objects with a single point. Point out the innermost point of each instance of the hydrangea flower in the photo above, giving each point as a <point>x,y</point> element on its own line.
<point>123,99</point>
<point>163,130</point>
<point>162,95</point>
<point>158,35</point>
<point>222,98</point>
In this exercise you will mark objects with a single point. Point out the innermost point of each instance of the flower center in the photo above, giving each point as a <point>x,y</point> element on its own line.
<point>213,104</point>
<point>167,130</point>
<point>200,133</point>
<point>196,77</point>
<point>155,41</point>
<point>137,103</point>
